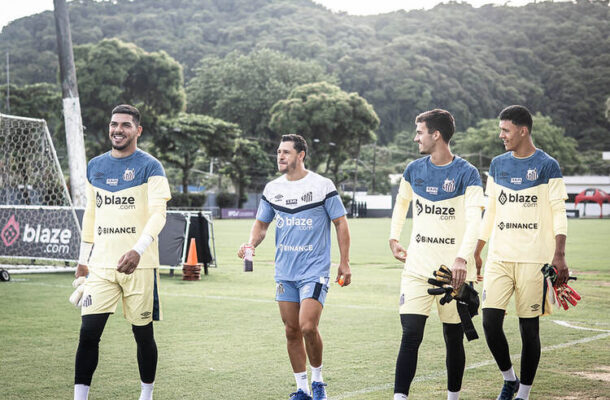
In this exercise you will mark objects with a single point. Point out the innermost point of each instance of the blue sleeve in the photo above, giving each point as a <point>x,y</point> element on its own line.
<point>474,179</point>
<point>334,206</point>
<point>265,212</point>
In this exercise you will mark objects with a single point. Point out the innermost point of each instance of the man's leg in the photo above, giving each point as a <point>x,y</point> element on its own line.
<point>289,312</point>
<point>456,358</point>
<point>309,318</point>
<point>87,354</point>
<point>493,320</point>
<point>412,334</point>
<point>147,358</point>
<point>530,354</point>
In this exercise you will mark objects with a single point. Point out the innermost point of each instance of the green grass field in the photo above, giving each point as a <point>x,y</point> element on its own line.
<point>222,337</point>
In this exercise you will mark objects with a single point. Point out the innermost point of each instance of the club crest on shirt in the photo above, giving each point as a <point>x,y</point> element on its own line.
<point>129,174</point>
<point>449,185</point>
<point>307,197</point>
<point>532,175</point>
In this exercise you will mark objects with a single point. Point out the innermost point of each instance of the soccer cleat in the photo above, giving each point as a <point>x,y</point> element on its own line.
<point>318,390</point>
<point>508,390</point>
<point>300,395</point>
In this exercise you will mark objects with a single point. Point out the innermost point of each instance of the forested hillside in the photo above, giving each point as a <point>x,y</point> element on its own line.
<point>552,57</point>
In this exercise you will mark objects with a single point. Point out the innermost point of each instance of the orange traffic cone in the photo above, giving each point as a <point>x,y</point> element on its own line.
<point>191,269</point>
<point>192,257</point>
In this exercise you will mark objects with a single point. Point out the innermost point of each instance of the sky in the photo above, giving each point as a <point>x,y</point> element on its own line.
<point>11,9</point>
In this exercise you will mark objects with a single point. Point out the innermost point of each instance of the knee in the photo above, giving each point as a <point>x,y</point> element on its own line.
<point>143,334</point>
<point>529,328</point>
<point>492,320</point>
<point>293,333</point>
<point>453,334</point>
<point>309,330</point>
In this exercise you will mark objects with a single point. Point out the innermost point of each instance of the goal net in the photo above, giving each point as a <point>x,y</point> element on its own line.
<point>37,220</point>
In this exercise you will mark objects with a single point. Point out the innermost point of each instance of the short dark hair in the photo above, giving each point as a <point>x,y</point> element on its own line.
<point>298,142</point>
<point>127,109</point>
<point>518,115</point>
<point>438,120</point>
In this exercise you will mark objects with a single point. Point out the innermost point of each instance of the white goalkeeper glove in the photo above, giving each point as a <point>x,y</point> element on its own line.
<point>77,296</point>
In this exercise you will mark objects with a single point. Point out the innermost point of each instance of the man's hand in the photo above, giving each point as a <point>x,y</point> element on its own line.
<point>458,272</point>
<point>559,262</point>
<point>242,250</point>
<point>442,279</point>
<point>128,262</point>
<point>81,270</point>
<point>345,272</point>
<point>398,251</point>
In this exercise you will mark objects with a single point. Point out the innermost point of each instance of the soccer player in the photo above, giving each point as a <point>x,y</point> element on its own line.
<point>447,199</point>
<point>303,204</point>
<point>127,193</point>
<point>526,225</point>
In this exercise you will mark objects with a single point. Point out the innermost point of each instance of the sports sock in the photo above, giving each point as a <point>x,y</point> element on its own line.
<point>400,396</point>
<point>509,375</point>
<point>524,392</point>
<point>81,392</point>
<point>301,378</point>
<point>316,374</point>
<point>147,391</point>
<point>453,395</point>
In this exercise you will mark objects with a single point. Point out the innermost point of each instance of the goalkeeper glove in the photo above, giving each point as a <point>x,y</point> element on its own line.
<point>443,282</point>
<point>561,295</point>
<point>77,295</point>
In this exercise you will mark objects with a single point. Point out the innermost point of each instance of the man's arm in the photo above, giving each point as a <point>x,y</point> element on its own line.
<point>158,195</point>
<point>473,204</point>
<point>87,234</point>
<point>343,238</point>
<point>486,226</point>
<point>401,207</point>
<point>257,235</point>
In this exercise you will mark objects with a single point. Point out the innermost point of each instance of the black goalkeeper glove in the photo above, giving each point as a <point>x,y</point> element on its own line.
<point>443,282</point>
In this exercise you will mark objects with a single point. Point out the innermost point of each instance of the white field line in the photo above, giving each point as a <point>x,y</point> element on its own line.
<point>441,374</point>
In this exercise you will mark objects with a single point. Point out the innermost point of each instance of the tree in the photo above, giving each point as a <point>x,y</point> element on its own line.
<point>481,143</point>
<point>247,165</point>
<point>242,88</point>
<point>337,123</point>
<point>184,139</point>
<point>113,72</point>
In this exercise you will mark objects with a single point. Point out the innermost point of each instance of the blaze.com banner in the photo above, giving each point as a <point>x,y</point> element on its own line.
<point>39,232</point>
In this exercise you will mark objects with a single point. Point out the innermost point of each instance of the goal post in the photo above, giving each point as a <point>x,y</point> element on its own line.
<point>37,218</point>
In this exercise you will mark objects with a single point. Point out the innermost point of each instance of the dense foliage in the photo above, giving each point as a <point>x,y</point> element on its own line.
<point>552,57</point>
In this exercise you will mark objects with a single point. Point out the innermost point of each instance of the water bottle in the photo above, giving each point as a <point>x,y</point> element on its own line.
<point>248,263</point>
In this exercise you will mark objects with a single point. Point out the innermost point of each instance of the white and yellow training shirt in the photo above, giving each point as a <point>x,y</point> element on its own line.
<point>447,205</point>
<point>526,208</point>
<point>126,198</point>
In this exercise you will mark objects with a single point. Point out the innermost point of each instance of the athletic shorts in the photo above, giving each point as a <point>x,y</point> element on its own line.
<point>502,279</point>
<point>414,299</point>
<point>139,291</point>
<point>297,291</point>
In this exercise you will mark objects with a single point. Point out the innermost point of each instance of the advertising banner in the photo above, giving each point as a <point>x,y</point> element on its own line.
<point>39,232</point>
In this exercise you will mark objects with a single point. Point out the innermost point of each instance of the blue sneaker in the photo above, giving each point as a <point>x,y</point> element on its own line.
<point>300,395</point>
<point>319,391</point>
<point>508,390</point>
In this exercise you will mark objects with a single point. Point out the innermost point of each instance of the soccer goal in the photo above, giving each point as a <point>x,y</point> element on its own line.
<point>37,220</point>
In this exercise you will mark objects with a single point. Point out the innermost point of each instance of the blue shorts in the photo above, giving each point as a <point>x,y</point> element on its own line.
<point>297,291</point>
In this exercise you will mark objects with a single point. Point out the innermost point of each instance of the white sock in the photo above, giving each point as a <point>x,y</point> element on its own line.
<point>316,374</point>
<point>301,378</point>
<point>81,392</point>
<point>509,375</point>
<point>147,391</point>
<point>524,391</point>
<point>400,396</point>
<point>453,395</point>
